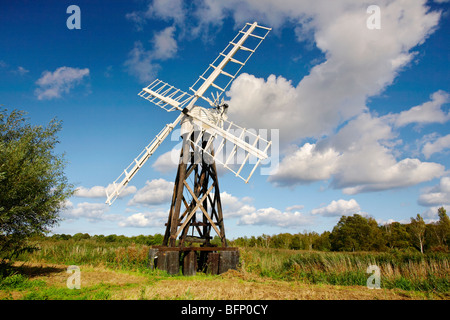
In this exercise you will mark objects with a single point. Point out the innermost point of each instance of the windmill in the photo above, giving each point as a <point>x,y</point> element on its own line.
<point>207,138</point>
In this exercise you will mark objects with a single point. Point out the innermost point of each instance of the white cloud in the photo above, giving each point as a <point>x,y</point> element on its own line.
<point>437,195</point>
<point>94,212</point>
<point>144,220</point>
<point>165,46</point>
<point>440,144</point>
<point>368,161</point>
<point>154,192</point>
<point>161,9</point>
<point>168,161</point>
<point>275,217</point>
<point>62,80</point>
<point>305,165</point>
<point>21,71</point>
<point>100,191</point>
<point>339,208</point>
<point>359,63</point>
<point>295,207</point>
<point>142,64</point>
<point>431,214</point>
<point>234,207</point>
<point>358,158</point>
<point>428,112</point>
<point>18,71</point>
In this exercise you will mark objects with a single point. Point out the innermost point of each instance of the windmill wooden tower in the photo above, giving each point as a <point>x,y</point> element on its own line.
<point>208,138</point>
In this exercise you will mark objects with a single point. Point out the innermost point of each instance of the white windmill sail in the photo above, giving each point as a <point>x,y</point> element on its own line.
<point>218,75</point>
<point>165,96</point>
<point>229,62</point>
<point>228,146</point>
<point>139,161</point>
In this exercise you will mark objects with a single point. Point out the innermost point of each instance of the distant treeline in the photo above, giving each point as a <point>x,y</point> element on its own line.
<point>149,240</point>
<point>358,233</point>
<point>352,233</point>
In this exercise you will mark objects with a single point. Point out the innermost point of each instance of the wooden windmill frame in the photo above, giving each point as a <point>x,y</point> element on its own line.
<point>205,134</point>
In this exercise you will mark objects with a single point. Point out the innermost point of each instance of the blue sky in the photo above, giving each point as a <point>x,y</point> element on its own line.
<point>362,114</point>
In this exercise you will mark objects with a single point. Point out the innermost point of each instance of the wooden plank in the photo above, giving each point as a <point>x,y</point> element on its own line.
<point>173,262</point>
<point>212,263</point>
<point>168,261</point>
<point>190,263</point>
<point>228,260</point>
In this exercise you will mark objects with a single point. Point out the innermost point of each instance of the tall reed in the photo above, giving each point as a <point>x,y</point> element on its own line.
<point>409,271</point>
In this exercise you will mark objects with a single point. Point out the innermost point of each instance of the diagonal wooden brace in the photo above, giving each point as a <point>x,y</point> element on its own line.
<point>199,202</point>
<point>201,206</point>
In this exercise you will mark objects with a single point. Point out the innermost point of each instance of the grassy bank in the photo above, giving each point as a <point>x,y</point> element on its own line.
<point>115,255</point>
<point>407,271</point>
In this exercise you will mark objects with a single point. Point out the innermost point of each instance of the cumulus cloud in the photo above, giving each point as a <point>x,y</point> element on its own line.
<point>354,150</point>
<point>338,208</point>
<point>295,207</point>
<point>358,158</point>
<point>168,161</point>
<point>428,112</point>
<point>93,212</point>
<point>336,89</point>
<point>62,80</point>
<point>305,165</point>
<point>164,44</point>
<point>436,146</point>
<point>274,217</point>
<point>232,206</point>
<point>142,63</point>
<point>100,191</point>
<point>154,192</point>
<point>144,220</point>
<point>437,195</point>
<point>165,10</point>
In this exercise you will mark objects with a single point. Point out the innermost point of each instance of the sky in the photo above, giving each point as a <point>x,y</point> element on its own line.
<point>356,93</point>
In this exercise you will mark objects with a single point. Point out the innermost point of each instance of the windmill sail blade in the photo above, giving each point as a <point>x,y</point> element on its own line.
<point>232,146</point>
<point>230,61</point>
<point>139,161</point>
<point>165,96</point>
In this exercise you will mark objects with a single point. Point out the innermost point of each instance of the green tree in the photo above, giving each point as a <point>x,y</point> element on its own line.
<point>322,243</point>
<point>356,233</point>
<point>443,227</point>
<point>417,229</point>
<point>33,187</point>
<point>81,236</point>
<point>396,235</point>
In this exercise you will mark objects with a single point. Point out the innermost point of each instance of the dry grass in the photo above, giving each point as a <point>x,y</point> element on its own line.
<point>232,285</point>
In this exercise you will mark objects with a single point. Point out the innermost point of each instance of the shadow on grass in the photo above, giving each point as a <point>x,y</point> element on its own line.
<point>30,271</point>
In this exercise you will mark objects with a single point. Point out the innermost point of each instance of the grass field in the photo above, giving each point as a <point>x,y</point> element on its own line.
<point>117,271</point>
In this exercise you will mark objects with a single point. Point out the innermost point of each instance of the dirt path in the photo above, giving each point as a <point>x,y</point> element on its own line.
<point>233,285</point>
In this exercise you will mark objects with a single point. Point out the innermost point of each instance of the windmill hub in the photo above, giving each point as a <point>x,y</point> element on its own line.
<point>199,118</point>
<point>196,207</point>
